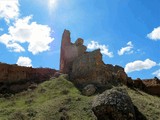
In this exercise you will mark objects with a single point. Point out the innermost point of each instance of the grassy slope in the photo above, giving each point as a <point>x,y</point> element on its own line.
<point>147,104</point>
<point>44,103</point>
<point>58,98</point>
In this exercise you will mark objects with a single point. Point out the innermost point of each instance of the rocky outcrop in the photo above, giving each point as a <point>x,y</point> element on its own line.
<point>138,83</point>
<point>151,86</point>
<point>15,78</point>
<point>87,67</point>
<point>69,52</point>
<point>114,104</point>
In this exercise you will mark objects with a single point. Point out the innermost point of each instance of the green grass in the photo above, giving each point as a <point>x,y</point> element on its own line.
<point>58,98</point>
<point>50,101</point>
<point>147,104</point>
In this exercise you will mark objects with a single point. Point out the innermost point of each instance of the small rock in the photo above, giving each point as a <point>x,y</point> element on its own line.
<point>89,90</point>
<point>33,86</point>
<point>61,109</point>
<point>52,78</point>
<point>57,74</point>
<point>64,116</point>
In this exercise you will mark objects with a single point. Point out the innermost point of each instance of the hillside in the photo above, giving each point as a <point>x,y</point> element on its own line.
<point>51,100</point>
<point>60,99</point>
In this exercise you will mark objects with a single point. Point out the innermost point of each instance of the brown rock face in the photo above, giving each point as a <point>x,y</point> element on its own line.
<point>151,86</point>
<point>69,52</point>
<point>15,78</point>
<point>87,67</point>
<point>138,83</point>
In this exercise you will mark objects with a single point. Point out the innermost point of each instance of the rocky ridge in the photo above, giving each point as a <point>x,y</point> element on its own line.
<point>151,86</point>
<point>15,78</point>
<point>87,67</point>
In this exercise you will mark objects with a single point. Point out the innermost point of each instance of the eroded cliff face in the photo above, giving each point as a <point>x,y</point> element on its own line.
<point>151,86</point>
<point>15,78</point>
<point>87,67</point>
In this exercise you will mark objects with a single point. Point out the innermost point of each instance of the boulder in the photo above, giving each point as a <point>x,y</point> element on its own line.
<point>114,104</point>
<point>89,90</point>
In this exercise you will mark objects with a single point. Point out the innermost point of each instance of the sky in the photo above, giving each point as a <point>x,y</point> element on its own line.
<point>126,31</point>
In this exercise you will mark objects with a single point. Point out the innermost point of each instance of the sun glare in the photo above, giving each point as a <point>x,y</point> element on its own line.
<point>52,4</point>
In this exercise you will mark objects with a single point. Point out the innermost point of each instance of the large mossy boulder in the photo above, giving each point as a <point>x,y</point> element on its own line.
<point>113,104</point>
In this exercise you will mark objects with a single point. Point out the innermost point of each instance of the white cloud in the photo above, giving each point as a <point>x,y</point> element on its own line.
<point>103,48</point>
<point>9,9</point>
<point>23,31</point>
<point>11,45</point>
<point>157,73</point>
<point>15,47</point>
<point>155,34</point>
<point>24,61</point>
<point>139,65</point>
<point>127,49</point>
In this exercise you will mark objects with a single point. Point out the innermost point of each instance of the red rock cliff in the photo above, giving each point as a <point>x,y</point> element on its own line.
<point>16,78</point>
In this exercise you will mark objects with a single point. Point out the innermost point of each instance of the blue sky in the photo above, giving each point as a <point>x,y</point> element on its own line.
<point>126,31</point>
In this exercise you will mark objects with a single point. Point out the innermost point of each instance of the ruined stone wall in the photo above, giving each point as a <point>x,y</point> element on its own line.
<point>70,51</point>
<point>87,67</point>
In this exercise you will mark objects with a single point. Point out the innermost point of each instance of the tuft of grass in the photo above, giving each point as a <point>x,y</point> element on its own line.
<point>52,100</point>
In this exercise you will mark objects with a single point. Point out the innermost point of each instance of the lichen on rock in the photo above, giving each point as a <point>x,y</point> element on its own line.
<point>114,104</point>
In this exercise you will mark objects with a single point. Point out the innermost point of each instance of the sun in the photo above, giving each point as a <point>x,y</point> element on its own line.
<point>52,4</point>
